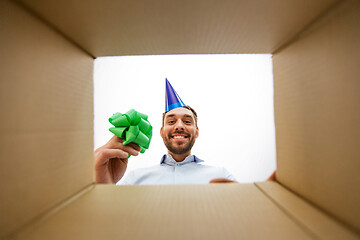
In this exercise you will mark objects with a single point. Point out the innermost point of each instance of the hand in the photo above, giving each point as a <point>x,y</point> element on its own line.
<point>111,160</point>
<point>272,177</point>
<point>221,180</point>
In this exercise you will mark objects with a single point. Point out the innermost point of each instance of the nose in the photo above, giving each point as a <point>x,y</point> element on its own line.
<point>179,125</point>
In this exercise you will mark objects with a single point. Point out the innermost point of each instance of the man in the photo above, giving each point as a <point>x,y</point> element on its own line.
<point>179,132</point>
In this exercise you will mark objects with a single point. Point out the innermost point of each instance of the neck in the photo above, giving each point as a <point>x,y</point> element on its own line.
<point>179,157</point>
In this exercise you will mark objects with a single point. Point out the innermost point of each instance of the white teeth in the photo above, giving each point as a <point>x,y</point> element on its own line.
<point>178,137</point>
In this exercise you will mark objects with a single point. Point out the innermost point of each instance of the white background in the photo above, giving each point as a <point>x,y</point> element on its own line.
<point>232,94</point>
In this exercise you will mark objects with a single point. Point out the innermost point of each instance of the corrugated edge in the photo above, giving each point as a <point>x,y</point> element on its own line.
<point>296,205</point>
<point>40,219</point>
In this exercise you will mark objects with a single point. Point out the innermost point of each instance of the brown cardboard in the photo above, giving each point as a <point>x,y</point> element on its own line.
<point>108,28</point>
<point>46,118</point>
<point>309,217</point>
<point>317,115</point>
<point>217,211</point>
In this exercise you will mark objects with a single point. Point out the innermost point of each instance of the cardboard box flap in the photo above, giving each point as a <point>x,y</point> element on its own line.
<point>46,117</point>
<point>112,28</point>
<point>215,211</point>
<point>319,223</point>
<point>317,102</point>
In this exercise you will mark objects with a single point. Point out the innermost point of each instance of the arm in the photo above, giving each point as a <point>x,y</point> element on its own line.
<point>111,160</point>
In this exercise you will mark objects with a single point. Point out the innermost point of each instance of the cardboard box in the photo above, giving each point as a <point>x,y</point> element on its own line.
<point>48,48</point>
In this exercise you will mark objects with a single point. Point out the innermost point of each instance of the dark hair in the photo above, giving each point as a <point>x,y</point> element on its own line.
<point>187,107</point>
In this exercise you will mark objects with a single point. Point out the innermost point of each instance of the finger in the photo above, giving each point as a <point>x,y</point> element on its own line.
<point>129,148</point>
<point>107,154</point>
<point>115,140</point>
<point>221,180</point>
<point>134,146</point>
<point>272,177</point>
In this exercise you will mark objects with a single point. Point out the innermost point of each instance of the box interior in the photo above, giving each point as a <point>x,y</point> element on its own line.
<point>48,50</point>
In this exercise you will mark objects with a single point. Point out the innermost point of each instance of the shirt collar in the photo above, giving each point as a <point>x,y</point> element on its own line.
<point>169,160</point>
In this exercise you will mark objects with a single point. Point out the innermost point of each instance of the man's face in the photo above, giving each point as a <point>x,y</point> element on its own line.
<point>179,131</point>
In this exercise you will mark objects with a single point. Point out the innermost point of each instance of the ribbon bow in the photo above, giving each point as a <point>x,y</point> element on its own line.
<point>133,127</point>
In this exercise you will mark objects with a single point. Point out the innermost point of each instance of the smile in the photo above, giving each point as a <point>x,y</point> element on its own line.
<point>179,136</point>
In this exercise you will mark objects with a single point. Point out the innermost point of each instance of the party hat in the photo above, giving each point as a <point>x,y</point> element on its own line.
<point>172,99</point>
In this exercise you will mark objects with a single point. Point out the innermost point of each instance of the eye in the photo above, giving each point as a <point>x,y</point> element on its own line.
<point>187,121</point>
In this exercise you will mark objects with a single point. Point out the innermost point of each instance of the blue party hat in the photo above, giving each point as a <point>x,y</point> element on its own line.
<point>172,99</point>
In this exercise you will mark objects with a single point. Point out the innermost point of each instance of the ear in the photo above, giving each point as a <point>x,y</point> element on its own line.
<point>197,132</point>
<point>161,129</point>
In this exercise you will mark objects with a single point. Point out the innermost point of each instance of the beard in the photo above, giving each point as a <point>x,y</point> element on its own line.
<point>179,148</point>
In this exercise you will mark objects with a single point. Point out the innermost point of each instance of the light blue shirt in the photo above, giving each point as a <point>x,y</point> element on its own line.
<point>189,171</point>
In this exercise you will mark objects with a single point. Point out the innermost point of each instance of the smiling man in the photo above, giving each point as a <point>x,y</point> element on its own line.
<point>179,132</point>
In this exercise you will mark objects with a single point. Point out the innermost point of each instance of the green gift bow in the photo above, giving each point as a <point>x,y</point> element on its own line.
<point>133,127</point>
